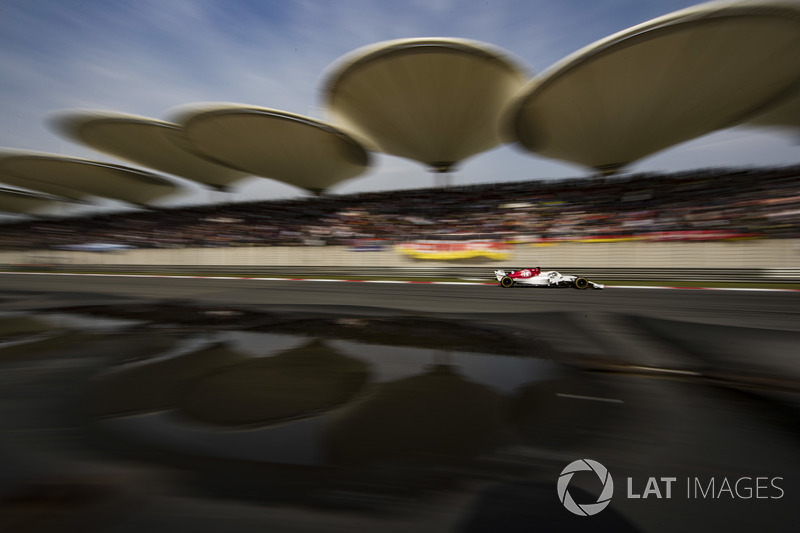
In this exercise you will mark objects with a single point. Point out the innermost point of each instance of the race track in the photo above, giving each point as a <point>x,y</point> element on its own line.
<point>744,308</point>
<point>694,384</point>
<point>715,332</point>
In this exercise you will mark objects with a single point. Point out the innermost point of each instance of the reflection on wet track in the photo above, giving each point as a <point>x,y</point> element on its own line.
<point>124,416</point>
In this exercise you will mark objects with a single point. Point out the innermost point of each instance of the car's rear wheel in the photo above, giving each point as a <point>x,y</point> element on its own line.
<point>581,283</point>
<point>506,282</point>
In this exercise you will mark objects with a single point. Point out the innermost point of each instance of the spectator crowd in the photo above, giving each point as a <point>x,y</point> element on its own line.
<point>763,202</point>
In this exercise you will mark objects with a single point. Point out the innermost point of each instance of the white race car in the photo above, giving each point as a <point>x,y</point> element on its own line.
<point>535,277</point>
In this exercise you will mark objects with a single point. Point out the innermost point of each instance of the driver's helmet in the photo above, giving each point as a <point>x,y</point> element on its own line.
<point>536,271</point>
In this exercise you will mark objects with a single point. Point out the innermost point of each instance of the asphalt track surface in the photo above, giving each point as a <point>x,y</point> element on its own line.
<point>746,308</point>
<point>683,383</point>
<point>615,326</point>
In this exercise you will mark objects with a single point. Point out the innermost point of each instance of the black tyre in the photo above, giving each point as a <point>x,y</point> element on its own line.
<point>506,282</point>
<point>581,283</point>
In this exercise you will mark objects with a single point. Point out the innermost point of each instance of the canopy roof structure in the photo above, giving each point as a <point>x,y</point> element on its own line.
<point>42,186</point>
<point>84,177</point>
<point>660,83</point>
<point>433,100</point>
<point>274,144</point>
<point>13,201</point>
<point>785,114</point>
<point>145,141</point>
<point>439,101</point>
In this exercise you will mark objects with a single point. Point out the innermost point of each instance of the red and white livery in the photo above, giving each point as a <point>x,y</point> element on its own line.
<point>535,277</point>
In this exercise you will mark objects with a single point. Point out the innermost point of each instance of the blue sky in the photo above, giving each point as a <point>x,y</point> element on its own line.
<point>149,56</point>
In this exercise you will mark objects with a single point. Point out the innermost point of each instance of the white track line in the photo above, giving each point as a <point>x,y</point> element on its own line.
<point>590,398</point>
<point>377,281</point>
<point>700,288</point>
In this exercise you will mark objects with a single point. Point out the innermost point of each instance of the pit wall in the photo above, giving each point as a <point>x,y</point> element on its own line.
<point>761,253</point>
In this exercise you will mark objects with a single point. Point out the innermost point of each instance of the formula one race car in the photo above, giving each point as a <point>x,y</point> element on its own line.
<point>534,277</point>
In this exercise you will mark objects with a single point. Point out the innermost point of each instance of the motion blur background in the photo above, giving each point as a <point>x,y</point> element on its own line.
<point>253,402</point>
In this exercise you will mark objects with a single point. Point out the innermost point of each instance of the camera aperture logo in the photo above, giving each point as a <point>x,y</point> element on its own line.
<point>586,509</point>
<point>749,487</point>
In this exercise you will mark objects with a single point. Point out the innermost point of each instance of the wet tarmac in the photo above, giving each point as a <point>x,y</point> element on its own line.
<point>122,413</point>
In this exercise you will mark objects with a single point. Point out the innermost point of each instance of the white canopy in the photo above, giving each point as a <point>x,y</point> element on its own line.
<point>42,186</point>
<point>12,201</point>
<point>274,144</point>
<point>785,114</point>
<point>144,141</point>
<point>660,83</point>
<point>433,100</point>
<point>84,177</point>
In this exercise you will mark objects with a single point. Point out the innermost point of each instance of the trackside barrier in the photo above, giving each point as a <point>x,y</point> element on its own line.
<point>757,260</point>
<point>750,275</point>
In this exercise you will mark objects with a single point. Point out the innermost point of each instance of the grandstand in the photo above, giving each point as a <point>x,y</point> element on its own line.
<point>707,204</point>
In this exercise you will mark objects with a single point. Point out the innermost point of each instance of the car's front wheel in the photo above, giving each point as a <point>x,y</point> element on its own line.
<point>581,283</point>
<point>506,282</point>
